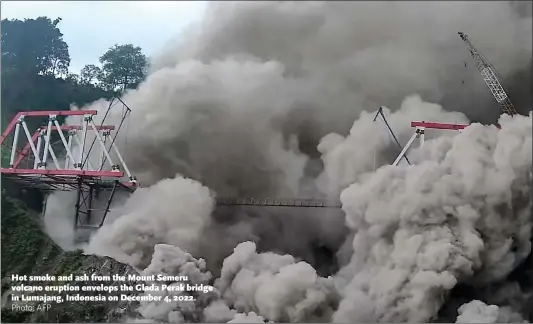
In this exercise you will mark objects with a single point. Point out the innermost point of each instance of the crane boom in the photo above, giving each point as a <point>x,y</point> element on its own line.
<point>490,78</point>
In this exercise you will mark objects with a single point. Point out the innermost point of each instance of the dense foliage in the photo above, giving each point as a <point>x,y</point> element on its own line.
<point>123,67</point>
<point>34,46</point>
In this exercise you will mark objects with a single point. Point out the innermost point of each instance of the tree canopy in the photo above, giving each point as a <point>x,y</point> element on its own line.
<point>34,46</point>
<point>90,73</point>
<point>123,67</point>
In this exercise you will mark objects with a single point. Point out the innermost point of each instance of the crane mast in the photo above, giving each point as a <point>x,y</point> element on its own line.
<point>490,78</point>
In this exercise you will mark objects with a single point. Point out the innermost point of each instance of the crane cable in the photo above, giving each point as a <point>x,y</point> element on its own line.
<point>126,136</point>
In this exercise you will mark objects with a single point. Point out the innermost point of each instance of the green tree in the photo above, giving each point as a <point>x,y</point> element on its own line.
<point>123,67</point>
<point>34,46</point>
<point>73,78</point>
<point>90,73</point>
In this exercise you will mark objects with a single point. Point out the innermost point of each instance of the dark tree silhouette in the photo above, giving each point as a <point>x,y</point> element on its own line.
<point>90,73</point>
<point>34,46</point>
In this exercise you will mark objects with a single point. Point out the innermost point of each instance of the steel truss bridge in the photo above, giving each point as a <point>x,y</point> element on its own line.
<point>108,173</point>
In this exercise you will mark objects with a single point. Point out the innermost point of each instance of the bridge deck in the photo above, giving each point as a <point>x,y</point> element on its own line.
<point>51,182</point>
<point>276,202</point>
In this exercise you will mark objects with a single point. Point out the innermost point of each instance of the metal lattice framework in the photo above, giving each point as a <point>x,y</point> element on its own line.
<point>490,76</point>
<point>72,166</point>
<point>39,165</point>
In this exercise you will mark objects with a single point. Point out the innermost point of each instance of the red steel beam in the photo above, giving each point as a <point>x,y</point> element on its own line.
<point>114,174</point>
<point>438,125</point>
<point>43,113</point>
<point>441,125</point>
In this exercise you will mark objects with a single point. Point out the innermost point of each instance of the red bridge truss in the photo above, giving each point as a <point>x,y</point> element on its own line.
<point>59,157</point>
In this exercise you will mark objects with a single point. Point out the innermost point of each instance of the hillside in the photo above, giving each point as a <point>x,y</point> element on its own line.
<point>26,249</point>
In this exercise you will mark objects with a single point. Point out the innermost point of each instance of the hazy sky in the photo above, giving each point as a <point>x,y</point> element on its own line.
<point>91,27</point>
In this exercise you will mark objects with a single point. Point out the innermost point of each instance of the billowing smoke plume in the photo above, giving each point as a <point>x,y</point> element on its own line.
<point>269,284</point>
<point>478,312</point>
<point>134,234</point>
<point>267,99</point>
<point>464,209</point>
<point>362,55</point>
<point>367,146</point>
<point>241,103</point>
<point>275,286</point>
<point>461,214</point>
<point>179,304</point>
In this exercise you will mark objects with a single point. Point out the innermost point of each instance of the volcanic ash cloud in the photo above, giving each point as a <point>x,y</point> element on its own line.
<point>370,144</point>
<point>274,286</point>
<point>421,229</point>
<point>479,312</point>
<point>254,287</point>
<point>173,211</point>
